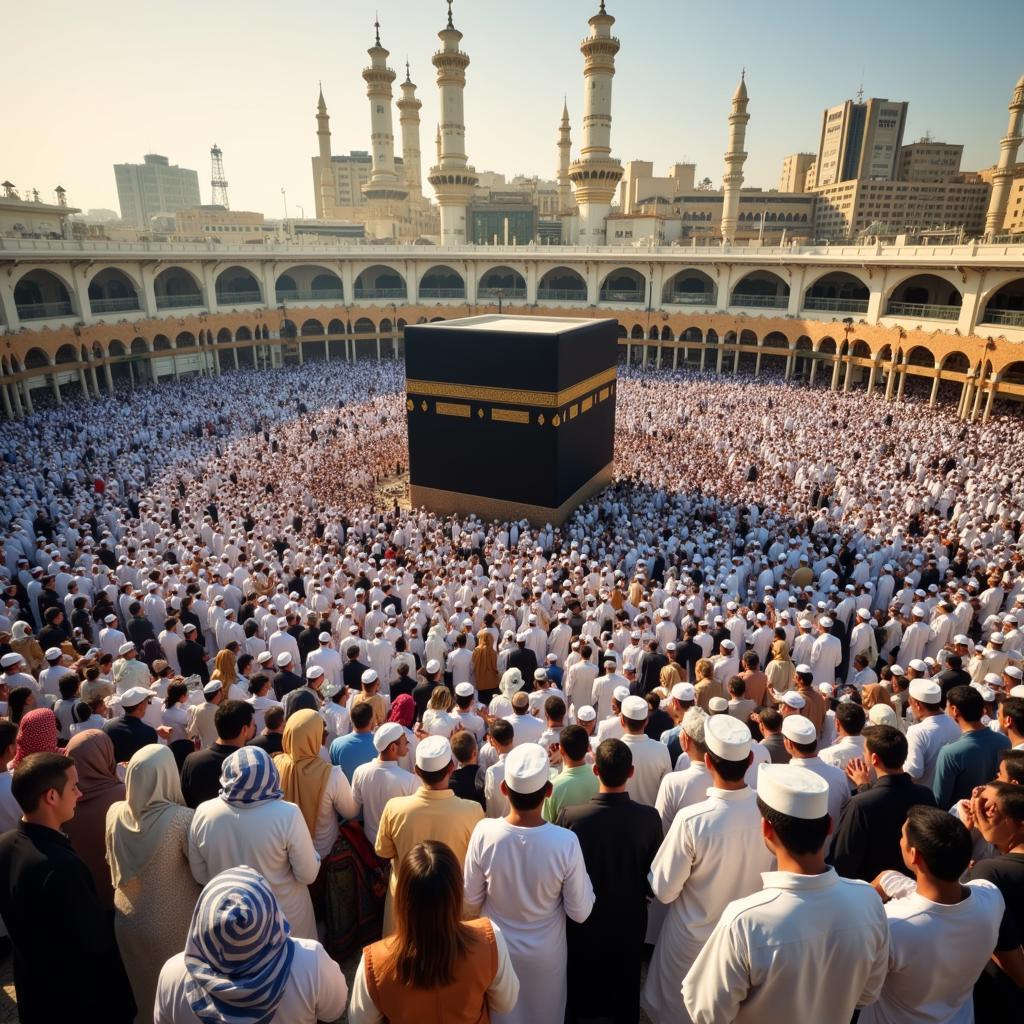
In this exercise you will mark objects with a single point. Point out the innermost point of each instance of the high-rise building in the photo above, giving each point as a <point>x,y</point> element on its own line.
<point>154,188</point>
<point>860,140</point>
<point>928,160</point>
<point>794,172</point>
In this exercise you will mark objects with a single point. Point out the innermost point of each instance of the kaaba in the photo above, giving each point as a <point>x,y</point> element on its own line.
<point>510,417</point>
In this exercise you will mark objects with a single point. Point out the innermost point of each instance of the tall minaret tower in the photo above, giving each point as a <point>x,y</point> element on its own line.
<point>565,200</point>
<point>323,127</point>
<point>732,181</point>
<point>453,178</point>
<point>1003,175</point>
<point>323,180</point>
<point>383,190</point>
<point>595,176</point>
<point>409,117</point>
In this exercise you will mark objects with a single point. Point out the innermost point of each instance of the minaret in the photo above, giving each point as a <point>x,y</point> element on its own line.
<point>453,178</point>
<point>323,127</point>
<point>565,200</point>
<point>409,117</point>
<point>383,189</point>
<point>732,181</point>
<point>323,181</point>
<point>595,176</point>
<point>1003,176</point>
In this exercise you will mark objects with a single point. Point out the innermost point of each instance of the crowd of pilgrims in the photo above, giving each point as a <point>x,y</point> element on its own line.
<point>742,740</point>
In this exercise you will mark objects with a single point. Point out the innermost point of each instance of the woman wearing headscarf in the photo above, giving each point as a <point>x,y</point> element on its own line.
<point>435,648</point>
<point>147,851</point>
<point>434,958</point>
<point>240,965</point>
<point>37,734</point>
<point>485,666</point>
<point>25,644</point>
<point>93,754</point>
<point>875,694</point>
<point>780,671</point>
<point>403,711</point>
<point>511,683</point>
<point>250,823</point>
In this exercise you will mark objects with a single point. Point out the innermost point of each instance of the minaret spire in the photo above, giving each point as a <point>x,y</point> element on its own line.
<point>1002,178</point>
<point>732,180</point>
<point>409,118</point>
<point>565,200</point>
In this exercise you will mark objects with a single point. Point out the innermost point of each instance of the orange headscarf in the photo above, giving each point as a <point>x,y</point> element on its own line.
<point>304,773</point>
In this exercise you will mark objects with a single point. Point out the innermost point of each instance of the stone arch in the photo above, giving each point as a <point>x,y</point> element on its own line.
<point>442,282</point>
<point>747,337</point>
<point>502,278</point>
<point>177,288</point>
<point>692,334</point>
<point>34,359</point>
<point>237,286</point>
<point>666,333</point>
<point>224,336</point>
<point>652,333</point>
<point>562,283</point>
<point>311,328</point>
<point>1012,373</point>
<point>364,326</point>
<point>920,356</point>
<point>826,346</point>
<point>760,288</point>
<point>1005,304</point>
<point>335,327</point>
<point>185,339</point>
<point>775,339</point>
<point>861,349</point>
<point>243,334</point>
<point>308,282</point>
<point>955,362</point>
<point>623,284</point>
<point>622,331</point>
<point>112,290</point>
<point>690,287</point>
<point>637,332</point>
<point>41,294</point>
<point>66,354</point>
<point>380,282</point>
<point>935,295</point>
<point>838,291</point>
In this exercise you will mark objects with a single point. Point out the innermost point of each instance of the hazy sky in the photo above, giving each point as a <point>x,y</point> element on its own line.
<point>90,85</point>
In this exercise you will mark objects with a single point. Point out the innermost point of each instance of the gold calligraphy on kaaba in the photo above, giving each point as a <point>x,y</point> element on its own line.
<point>510,415</point>
<point>452,409</point>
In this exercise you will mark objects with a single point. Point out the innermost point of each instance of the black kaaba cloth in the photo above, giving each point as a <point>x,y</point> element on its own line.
<point>510,417</point>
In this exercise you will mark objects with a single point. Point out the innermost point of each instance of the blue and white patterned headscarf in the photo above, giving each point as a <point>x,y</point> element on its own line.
<point>238,955</point>
<point>249,776</point>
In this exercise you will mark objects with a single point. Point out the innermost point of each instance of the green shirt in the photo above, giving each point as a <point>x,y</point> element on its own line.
<point>573,786</point>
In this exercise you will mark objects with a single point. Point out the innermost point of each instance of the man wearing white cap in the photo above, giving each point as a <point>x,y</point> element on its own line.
<point>931,731</point>
<point>826,653</point>
<point>651,760</point>
<point>602,689</point>
<point>809,946</point>
<point>687,786</point>
<point>110,636</point>
<point>432,812</point>
<point>916,637</point>
<point>611,728</point>
<point>327,658</point>
<point>282,642</point>
<point>526,875</point>
<point>128,671</point>
<point>713,853</point>
<point>377,781</point>
<point>801,742</point>
<point>13,665</point>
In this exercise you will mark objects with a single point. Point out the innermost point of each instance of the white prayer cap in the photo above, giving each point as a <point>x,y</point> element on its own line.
<point>987,694</point>
<point>433,666</point>
<point>151,587</point>
<point>53,654</point>
<point>586,714</point>
<point>212,688</point>
<point>1017,691</point>
<point>863,613</point>
<point>552,658</point>
<point>919,611</point>
<point>717,705</point>
<point>465,689</point>
<point>962,640</point>
<point>11,659</point>
<point>804,623</point>
<point>264,658</point>
<point>684,692</point>
<point>993,679</point>
<point>110,619</point>
<point>369,677</point>
<point>389,733</point>
<point>996,638</point>
<point>635,708</point>
<point>793,699</point>
<point>926,690</point>
<point>798,729</point>
<point>126,648</point>
<point>728,645</point>
<point>539,674</point>
<point>727,737</point>
<point>670,646</point>
<point>314,672</point>
<point>434,753</point>
<point>135,696</point>
<point>620,693</point>
<point>628,666</point>
<point>792,790</point>
<point>826,689</point>
<point>1011,670</point>
<point>526,768</point>
<point>635,635</point>
<point>918,666</point>
<point>897,670</point>
<point>284,658</point>
<point>803,670</point>
<point>324,638</point>
<point>825,622</point>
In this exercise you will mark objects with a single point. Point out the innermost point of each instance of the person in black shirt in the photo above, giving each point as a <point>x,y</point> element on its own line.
<point>619,839</point>
<point>48,902</point>
<point>192,655</point>
<point>464,779</point>
<point>352,672</point>
<point>525,660</point>
<point>649,666</point>
<point>139,628</point>
<point>309,638</point>
<point>235,722</point>
<point>286,679</point>
<point>273,731</point>
<point>131,733</point>
<point>429,679</point>
<point>689,653</point>
<point>952,675</point>
<point>868,837</point>
<point>53,634</point>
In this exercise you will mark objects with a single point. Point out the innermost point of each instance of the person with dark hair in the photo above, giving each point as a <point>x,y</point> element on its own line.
<point>651,761</point>
<point>619,839</point>
<point>355,748</point>
<point>435,958</point>
<point>129,733</point>
<point>850,721</point>
<point>1011,721</point>
<point>200,774</point>
<point>576,783</point>
<point>272,734</point>
<point>20,701</point>
<point>712,853</point>
<point>961,923</point>
<point>808,945</point>
<point>973,759</point>
<point>997,811</point>
<point>47,896</point>
<point>867,840</point>
<point>931,731</point>
<point>465,778</point>
<point>527,876</point>
<point>432,812</point>
<point>10,812</point>
<point>772,740</point>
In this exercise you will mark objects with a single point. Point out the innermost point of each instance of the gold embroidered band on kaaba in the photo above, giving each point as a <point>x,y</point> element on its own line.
<point>510,396</point>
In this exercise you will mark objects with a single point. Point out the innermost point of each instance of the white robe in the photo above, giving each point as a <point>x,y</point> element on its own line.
<point>527,880</point>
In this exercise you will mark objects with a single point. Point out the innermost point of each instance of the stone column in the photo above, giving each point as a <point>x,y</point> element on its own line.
<point>29,408</point>
<point>378,345</point>
<point>903,382</point>
<point>8,410</point>
<point>935,389</point>
<point>991,398</point>
<point>675,357</point>
<point>234,352</point>
<point>890,381</point>
<point>836,366</point>
<point>703,355</point>
<point>814,371</point>
<point>16,398</point>
<point>871,377</point>
<point>109,377</point>
<point>847,375</point>
<point>55,387</point>
<point>718,363</point>
<point>327,350</point>
<point>757,364</point>
<point>95,380</point>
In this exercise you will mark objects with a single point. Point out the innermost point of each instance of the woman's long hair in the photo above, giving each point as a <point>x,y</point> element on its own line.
<point>225,671</point>
<point>430,937</point>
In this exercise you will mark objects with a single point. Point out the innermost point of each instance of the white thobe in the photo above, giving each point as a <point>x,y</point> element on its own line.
<point>713,853</point>
<point>527,880</point>
<point>681,789</point>
<point>826,657</point>
<point>838,788</point>
<point>651,763</point>
<point>924,741</point>
<point>373,785</point>
<point>914,643</point>
<point>840,754</point>
<point>807,948</point>
<point>525,728</point>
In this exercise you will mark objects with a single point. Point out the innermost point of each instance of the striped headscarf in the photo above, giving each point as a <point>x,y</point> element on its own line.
<point>238,955</point>
<point>248,776</point>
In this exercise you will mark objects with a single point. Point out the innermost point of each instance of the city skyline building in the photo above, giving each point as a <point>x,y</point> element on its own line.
<point>154,188</point>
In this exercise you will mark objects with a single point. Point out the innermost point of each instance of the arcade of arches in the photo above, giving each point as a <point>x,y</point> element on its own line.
<point>842,355</point>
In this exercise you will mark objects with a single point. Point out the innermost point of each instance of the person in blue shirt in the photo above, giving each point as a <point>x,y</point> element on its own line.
<point>972,760</point>
<point>348,752</point>
<point>553,670</point>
